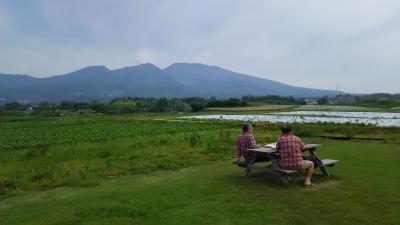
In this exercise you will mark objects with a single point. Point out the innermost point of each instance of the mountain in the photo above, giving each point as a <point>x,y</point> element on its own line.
<point>145,80</point>
<point>210,81</point>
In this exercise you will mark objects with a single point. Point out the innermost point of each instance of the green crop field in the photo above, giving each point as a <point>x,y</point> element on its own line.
<point>155,169</point>
<point>46,132</point>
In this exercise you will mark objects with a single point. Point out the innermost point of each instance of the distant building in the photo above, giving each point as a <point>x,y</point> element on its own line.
<point>29,109</point>
<point>311,102</point>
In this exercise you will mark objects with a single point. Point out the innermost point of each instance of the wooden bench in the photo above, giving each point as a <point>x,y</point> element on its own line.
<point>329,162</point>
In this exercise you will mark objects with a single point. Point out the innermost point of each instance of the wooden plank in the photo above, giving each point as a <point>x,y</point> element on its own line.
<point>310,146</point>
<point>273,150</point>
<point>286,171</point>
<point>270,168</point>
<point>242,163</point>
<point>329,162</point>
<point>263,150</point>
<point>265,169</point>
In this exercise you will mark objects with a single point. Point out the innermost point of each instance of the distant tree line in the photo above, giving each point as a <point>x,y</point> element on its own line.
<point>125,105</point>
<point>274,99</point>
<point>147,105</point>
<point>378,100</point>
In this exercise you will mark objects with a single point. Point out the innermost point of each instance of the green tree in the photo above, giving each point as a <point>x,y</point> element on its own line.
<point>179,105</point>
<point>324,100</point>
<point>67,105</point>
<point>46,109</point>
<point>122,105</point>
<point>45,106</point>
<point>198,105</point>
<point>162,104</point>
<point>98,107</point>
<point>14,106</point>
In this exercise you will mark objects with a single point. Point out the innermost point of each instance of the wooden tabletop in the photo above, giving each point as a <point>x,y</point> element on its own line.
<point>273,150</point>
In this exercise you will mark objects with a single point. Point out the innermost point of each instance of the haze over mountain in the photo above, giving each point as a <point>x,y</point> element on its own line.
<point>146,80</point>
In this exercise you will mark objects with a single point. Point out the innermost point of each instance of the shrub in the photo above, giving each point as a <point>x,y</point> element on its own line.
<point>192,139</point>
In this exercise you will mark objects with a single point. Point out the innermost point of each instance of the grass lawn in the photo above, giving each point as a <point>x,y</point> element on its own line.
<point>364,189</point>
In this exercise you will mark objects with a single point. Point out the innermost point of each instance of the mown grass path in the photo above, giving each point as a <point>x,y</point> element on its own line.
<point>363,190</point>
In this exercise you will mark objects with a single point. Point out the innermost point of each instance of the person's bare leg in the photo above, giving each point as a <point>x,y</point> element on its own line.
<point>310,171</point>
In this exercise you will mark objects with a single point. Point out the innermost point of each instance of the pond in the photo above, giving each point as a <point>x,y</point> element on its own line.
<point>374,118</point>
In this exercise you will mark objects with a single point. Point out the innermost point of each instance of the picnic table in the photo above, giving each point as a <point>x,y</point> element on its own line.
<point>270,154</point>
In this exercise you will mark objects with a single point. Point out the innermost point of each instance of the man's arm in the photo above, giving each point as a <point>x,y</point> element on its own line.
<point>252,142</point>
<point>301,143</point>
<point>278,145</point>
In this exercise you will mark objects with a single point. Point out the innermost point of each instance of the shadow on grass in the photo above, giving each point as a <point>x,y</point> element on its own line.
<point>257,178</point>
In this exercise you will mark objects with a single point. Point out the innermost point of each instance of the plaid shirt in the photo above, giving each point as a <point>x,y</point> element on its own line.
<point>245,141</point>
<point>289,147</point>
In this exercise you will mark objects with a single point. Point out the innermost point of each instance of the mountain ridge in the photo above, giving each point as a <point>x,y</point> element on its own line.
<point>146,80</point>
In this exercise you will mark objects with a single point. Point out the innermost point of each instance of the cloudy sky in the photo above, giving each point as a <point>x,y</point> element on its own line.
<point>321,44</point>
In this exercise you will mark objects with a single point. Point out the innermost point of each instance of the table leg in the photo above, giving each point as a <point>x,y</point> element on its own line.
<point>247,172</point>
<point>322,168</point>
<point>312,151</point>
<point>274,163</point>
<point>285,179</point>
<point>324,171</point>
<point>253,159</point>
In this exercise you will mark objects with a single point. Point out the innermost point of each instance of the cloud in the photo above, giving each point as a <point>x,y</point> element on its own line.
<point>308,43</point>
<point>3,18</point>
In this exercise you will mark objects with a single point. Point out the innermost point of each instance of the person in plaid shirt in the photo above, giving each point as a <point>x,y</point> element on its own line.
<point>289,148</point>
<point>245,141</point>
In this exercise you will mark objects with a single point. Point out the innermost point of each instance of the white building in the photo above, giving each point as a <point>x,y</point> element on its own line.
<point>311,102</point>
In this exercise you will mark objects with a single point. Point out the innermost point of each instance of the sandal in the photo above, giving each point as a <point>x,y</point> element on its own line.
<point>308,185</point>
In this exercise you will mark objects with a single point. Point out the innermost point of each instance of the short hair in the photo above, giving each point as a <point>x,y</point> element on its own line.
<point>286,128</point>
<point>246,127</point>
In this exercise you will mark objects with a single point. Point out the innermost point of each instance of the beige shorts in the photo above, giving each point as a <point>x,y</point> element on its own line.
<point>306,164</point>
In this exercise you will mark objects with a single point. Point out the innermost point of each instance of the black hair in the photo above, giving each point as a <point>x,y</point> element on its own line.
<point>246,127</point>
<point>286,128</point>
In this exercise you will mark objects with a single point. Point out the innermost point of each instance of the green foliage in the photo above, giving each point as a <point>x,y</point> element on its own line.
<point>198,105</point>
<point>15,106</point>
<point>34,132</point>
<point>274,99</point>
<point>192,139</point>
<point>46,109</point>
<point>98,107</point>
<point>121,106</point>
<point>177,105</point>
<point>67,105</point>
<point>132,105</point>
<point>305,132</point>
<point>232,102</point>
<point>162,104</point>
<point>45,106</point>
<point>381,100</point>
<point>47,167</point>
<point>324,100</point>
